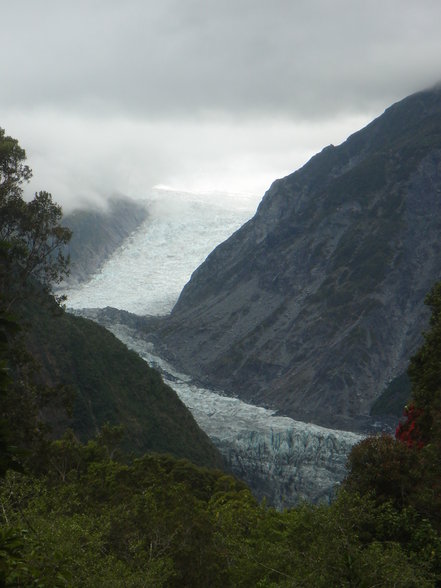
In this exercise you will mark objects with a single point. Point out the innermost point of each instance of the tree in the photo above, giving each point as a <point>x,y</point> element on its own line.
<point>425,373</point>
<point>8,328</point>
<point>407,470</point>
<point>384,467</point>
<point>31,236</point>
<point>30,262</point>
<point>13,174</point>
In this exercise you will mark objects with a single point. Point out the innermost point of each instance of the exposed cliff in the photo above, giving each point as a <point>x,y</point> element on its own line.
<point>316,304</point>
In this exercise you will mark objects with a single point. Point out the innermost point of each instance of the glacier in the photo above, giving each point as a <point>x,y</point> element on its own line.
<point>147,273</point>
<point>282,460</point>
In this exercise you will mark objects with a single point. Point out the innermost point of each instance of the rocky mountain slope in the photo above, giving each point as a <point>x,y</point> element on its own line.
<point>97,233</point>
<point>315,305</point>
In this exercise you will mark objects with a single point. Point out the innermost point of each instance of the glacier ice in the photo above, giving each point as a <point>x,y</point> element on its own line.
<point>281,459</point>
<point>147,273</point>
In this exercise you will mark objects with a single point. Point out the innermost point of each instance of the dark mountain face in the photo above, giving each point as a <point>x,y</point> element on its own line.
<point>96,234</point>
<point>316,304</point>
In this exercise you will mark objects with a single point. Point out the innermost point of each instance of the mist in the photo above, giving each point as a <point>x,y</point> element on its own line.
<point>115,98</point>
<point>82,161</point>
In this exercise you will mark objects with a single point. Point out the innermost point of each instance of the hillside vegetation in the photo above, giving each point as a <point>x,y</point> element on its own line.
<point>93,517</point>
<point>109,383</point>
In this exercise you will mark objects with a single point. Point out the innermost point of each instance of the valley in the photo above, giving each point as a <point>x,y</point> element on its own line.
<point>281,338</point>
<point>282,460</point>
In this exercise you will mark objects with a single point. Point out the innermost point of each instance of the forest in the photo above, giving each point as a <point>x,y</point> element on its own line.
<point>92,513</point>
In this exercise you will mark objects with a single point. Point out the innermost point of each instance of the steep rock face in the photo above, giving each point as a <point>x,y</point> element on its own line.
<point>316,303</point>
<point>98,233</point>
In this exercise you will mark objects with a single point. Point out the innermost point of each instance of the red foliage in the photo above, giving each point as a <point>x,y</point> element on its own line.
<point>408,431</point>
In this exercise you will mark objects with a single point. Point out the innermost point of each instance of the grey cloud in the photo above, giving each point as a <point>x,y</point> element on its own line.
<point>84,159</point>
<point>201,94</point>
<point>247,57</point>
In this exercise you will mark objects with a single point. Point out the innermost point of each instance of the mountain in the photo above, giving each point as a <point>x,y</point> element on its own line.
<point>98,233</point>
<point>315,305</point>
<point>110,384</point>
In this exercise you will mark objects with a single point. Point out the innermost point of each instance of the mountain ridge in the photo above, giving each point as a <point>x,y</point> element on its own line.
<point>316,304</point>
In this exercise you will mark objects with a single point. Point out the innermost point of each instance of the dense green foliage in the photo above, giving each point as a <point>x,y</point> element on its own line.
<point>425,373</point>
<point>111,384</point>
<point>30,263</point>
<point>31,237</point>
<point>92,521</point>
<point>405,472</point>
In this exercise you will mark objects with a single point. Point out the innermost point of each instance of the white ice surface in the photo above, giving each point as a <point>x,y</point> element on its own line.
<point>147,273</point>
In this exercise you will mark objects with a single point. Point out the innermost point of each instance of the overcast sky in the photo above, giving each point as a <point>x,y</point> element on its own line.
<point>116,97</point>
